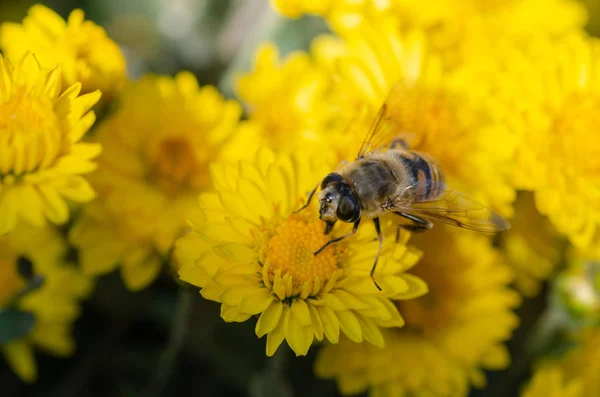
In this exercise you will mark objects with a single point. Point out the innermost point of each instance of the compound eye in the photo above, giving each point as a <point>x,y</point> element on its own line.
<point>333,177</point>
<point>348,209</point>
<point>329,197</point>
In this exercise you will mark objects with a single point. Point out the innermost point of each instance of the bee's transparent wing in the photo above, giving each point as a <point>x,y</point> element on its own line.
<point>384,130</point>
<point>455,208</point>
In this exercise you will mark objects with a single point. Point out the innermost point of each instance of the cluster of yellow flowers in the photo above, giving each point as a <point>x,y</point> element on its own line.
<point>505,95</point>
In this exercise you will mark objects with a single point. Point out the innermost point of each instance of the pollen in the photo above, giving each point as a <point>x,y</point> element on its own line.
<point>291,250</point>
<point>31,136</point>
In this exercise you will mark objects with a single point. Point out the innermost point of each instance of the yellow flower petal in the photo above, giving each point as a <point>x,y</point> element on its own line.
<point>257,301</point>
<point>275,337</point>
<point>297,335</point>
<point>316,321</point>
<point>331,324</point>
<point>19,355</point>
<point>371,332</point>
<point>415,287</point>
<point>348,300</point>
<point>234,295</point>
<point>230,314</point>
<point>301,312</point>
<point>269,318</point>
<point>236,252</point>
<point>139,276</point>
<point>350,325</point>
<point>8,208</point>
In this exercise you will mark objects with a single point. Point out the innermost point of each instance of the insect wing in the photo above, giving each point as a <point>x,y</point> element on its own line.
<point>384,130</point>
<point>374,131</point>
<point>457,209</point>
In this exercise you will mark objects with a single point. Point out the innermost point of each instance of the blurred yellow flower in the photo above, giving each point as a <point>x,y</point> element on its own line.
<point>82,49</point>
<point>582,361</point>
<point>251,253</point>
<point>54,304</point>
<point>549,382</point>
<point>342,14</point>
<point>41,158</point>
<point>559,159</point>
<point>444,114</point>
<point>158,145</point>
<point>451,25</point>
<point>531,246</point>
<point>286,97</point>
<point>579,365</point>
<point>452,333</point>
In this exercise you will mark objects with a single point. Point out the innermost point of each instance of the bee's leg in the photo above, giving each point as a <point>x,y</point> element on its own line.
<point>380,238</point>
<point>335,240</point>
<point>419,224</point>
<point>310,196</point>
<point>329,227</point>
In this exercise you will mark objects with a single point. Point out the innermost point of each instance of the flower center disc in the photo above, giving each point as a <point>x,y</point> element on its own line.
<point>291,250</point>
<point>30,134</point>
<point>173,165</point>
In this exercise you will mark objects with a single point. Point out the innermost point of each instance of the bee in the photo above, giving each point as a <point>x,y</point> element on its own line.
<point>388,177</point>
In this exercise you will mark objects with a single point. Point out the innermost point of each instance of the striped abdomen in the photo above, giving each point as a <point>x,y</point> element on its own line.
<point>425,172</point>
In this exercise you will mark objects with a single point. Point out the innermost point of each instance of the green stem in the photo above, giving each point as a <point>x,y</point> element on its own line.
<point>179,328</point>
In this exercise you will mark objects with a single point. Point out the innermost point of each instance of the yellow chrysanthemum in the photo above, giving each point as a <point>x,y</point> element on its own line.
<point>286,98</point>
<point>508,18</point>
<point>54,304</point>
<point>444,114</point>
<point>158,145</point>
<point>531,246</point>
<point>549,382</point>
<point>41,158</point>
<point>452,333</point>
<point>82,49</point>
<point>251,253</point>
<point>450,24</point>
<point>559,159</point>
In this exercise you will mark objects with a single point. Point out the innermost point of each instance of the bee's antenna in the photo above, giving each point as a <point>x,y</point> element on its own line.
<point>310,196</point>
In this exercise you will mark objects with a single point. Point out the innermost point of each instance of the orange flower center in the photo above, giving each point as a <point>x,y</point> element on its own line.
<point>31,136</point>
<point>291,250</point>
<point>174,166</point>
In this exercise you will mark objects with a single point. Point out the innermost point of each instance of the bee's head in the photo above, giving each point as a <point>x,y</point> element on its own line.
<point>337,200</point>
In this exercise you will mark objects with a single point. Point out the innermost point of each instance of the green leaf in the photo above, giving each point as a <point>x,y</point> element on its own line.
<point>14,324</point>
